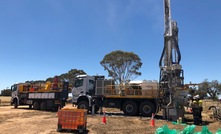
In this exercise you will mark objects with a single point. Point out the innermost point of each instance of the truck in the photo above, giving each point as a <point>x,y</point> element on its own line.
<point>42,96</point>
<point>134,98</point>
<point>145,98</point>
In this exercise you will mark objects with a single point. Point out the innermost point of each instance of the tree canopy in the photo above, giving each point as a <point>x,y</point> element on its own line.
<point>6,92</point>
<point>69,76</point>
<point>211,88</point>
<point>122,66</point>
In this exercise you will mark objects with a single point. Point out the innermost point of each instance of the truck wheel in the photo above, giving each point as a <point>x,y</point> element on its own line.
<point>43,106</point>
<point>36,106</point>
<point>83,105</point>
<point>147,108</point>
<point>59,128</point>
<point>29,106</point>
<point>96,109</point>
<point>130,108</point>
<point>15,104</point>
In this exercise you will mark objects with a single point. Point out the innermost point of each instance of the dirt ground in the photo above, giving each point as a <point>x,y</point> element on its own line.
<point>28,121</point>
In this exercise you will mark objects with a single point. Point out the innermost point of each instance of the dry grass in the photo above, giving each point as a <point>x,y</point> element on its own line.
<point>5,100</point>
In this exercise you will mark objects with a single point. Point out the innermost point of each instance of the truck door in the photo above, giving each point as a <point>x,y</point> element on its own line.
<point>78,89</point>
<point>91,87</point>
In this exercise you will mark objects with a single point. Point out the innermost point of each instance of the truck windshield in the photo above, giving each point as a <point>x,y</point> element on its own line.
<point>14,88</point>
<point>78,83</point>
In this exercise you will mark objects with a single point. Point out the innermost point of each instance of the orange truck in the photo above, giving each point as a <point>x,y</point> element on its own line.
<point>43,96</point>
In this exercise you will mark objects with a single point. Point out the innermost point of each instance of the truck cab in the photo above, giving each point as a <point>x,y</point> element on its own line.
<point>15,99</point>
<point>83,86</point>
<point>14,93</point>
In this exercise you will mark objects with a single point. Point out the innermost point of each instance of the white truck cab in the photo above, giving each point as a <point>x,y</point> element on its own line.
<point>83,86</point>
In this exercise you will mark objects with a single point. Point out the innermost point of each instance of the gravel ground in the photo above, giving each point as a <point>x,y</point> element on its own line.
<point>28,121</point>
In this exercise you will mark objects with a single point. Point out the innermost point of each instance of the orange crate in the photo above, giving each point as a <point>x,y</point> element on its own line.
<point>72,119</point>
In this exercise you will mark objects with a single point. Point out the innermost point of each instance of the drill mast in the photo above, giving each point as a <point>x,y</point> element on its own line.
<point>171,86</point>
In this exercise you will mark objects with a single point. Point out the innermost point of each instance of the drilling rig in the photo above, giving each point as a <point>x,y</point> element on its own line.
<point>172,95</point>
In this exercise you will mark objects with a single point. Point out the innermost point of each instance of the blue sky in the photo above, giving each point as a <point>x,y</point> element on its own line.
<point>43,38</point>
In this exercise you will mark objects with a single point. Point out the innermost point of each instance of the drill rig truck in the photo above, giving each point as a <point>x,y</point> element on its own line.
<point>42,96</point>
<point>142,98</point>
<point>137,98</point>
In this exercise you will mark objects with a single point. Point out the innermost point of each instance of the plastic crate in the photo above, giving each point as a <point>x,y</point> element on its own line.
<point>72,119</point>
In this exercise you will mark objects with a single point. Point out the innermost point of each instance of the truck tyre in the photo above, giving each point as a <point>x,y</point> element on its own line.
<point>29,106</point>
<point>15,103</point>
<point>83,105</point>
<point>43,106</point>
<point>96,109</point>
<point>36,106</point>
<point>146,108</point>
<point>59,128</point>
<point>130,108</point>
